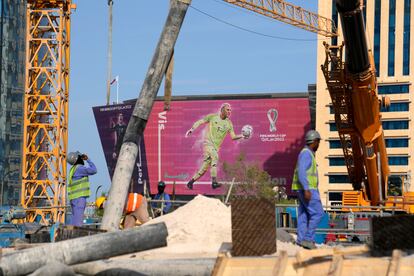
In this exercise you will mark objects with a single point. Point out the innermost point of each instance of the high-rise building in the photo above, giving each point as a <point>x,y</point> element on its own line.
<point>388,29</point>
<point>12,60</point>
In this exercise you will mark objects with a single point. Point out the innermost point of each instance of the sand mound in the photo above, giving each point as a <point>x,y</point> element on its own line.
<point>203,220</point>
<point>197,230</point>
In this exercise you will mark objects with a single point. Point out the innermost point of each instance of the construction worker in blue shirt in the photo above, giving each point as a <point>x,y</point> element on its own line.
<point>78,184</point>
<point>161,207</point>
<point>305,183</point>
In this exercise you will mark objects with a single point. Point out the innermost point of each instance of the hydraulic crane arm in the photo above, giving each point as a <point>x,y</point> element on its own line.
<point>353,88</point>
<point>290,14</point>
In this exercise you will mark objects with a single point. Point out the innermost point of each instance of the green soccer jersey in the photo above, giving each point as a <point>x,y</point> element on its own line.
<point>217,129</point>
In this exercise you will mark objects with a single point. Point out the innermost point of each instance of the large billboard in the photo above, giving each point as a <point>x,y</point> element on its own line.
<point>279,126</point>
<point>112,122</point>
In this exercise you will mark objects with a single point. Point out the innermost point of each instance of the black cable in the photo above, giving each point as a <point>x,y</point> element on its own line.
<point>250,31</point>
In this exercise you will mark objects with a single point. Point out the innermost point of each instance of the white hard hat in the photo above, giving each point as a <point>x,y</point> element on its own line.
<point>73,157</point>
<point>311,136</point>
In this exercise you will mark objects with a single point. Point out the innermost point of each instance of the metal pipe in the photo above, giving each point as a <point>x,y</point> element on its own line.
<point>361,232</point>
<point>379,176</point>
<point>335,207</point>
<point>229,192</point>
<point>109,73</point>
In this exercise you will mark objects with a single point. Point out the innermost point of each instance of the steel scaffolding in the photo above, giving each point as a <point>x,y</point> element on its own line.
<point>45,117</point>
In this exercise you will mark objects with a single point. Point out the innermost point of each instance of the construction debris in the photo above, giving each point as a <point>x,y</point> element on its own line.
<point>65,232</point>
<point>162,267</point>
<point>85,249</point>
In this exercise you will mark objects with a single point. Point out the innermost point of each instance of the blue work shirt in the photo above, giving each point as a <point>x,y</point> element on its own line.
<point>304,164</point>
<point>167,203</point>
<point>83,170</point>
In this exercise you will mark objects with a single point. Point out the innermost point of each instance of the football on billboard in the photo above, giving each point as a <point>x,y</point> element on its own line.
<point>247,131</point>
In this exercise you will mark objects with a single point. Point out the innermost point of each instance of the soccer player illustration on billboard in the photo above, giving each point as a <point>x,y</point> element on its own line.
<point>218,127</point>
<point>119,128</point>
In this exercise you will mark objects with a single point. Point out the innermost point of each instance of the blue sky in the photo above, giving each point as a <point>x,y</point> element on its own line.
<point>211,57</point>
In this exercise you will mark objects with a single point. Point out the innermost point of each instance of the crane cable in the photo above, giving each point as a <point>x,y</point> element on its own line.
<point>252,31</point>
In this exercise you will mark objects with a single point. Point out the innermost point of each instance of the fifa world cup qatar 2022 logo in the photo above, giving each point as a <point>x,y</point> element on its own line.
<point>272,115</point>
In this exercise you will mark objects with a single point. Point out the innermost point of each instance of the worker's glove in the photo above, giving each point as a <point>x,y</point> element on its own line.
<point>188,133</point>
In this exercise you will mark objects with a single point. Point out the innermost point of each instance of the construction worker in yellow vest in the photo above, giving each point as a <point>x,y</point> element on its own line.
<point>78,184</point>
<point>136,209</point>
<point>305,183</point>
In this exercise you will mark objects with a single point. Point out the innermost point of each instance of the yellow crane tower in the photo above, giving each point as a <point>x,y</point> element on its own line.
<point>45,119</point>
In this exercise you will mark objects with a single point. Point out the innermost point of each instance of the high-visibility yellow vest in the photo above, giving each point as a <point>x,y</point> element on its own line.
<point>78,188</point>
<point>311,175</point>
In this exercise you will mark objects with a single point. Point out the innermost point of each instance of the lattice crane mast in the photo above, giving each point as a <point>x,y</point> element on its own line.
<point>290,14</point>
<point>45,121</point>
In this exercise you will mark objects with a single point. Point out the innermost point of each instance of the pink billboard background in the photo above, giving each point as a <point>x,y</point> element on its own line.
<point>279,126</point>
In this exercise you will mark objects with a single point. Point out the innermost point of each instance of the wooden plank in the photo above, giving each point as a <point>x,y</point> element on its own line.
<point>255,266</point>
<point>263,266</point>
<point>306,255</point>
<point>352,250</point>
<point>395,263</point>
<point>249,266</point>
<point>336,266</point>
<point>220,266</point>
<point>280,264</point>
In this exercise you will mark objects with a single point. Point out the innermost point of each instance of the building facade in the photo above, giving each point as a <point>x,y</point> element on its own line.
<point>12,58</point>
<point>388,28</point>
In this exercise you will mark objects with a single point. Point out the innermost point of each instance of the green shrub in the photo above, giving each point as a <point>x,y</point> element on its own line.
<point>252,181</point>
